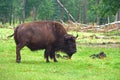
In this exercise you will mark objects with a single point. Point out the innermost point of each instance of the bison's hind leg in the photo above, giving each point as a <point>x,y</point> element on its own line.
<point>18,48</point>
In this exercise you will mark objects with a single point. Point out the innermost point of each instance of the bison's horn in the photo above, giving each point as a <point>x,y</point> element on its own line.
<point>76,36</point>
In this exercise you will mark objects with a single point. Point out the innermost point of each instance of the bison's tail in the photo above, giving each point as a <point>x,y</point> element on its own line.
<point>10,35</point>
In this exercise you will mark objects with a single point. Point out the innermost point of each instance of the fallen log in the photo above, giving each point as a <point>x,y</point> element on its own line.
<point>114,29</point>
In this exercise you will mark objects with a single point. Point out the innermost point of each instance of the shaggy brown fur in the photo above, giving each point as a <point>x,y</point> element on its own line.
<point>48,35</point>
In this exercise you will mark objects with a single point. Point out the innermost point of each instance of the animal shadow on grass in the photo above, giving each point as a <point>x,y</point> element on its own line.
<point>35,62</point>
<point>32,62</point>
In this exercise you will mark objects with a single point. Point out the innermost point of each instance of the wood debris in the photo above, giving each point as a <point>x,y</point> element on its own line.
<point>92,27</point>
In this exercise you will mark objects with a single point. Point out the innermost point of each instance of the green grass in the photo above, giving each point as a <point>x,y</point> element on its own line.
<point>81,67</point>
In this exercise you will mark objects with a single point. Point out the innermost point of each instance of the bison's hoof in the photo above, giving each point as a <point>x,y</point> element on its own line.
<point>47,61</point>
<point>55,61</point>
<point>18,61</point>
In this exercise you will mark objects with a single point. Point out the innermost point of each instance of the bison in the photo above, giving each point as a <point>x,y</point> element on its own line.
<point>48,35</point>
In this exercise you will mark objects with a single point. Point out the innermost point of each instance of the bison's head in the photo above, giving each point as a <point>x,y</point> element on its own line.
<point>70,44</point>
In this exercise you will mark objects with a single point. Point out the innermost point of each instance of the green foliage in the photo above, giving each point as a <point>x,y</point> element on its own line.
<point>11,10</point>
<point>5,10</point>
<point>46,10</point>
<point>106,7</point>
<point>111,6</point>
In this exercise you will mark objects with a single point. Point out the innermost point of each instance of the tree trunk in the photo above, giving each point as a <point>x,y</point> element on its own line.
<point>20,20</point>
<point>79,9</point>
<point>85,11</point>
<point>4,19</point>
<point>62,14</point>
<point>23,10</point>
<point>117,17</point>
<point>34,13</point>
<point>108,19</point>
<point>98,18</point>
<point>13,18</point>
<point>11,14</point>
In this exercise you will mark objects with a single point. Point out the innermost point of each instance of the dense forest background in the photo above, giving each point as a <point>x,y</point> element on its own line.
<point>83,11</point>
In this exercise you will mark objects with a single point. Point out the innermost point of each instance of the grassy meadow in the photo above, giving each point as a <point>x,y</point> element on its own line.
<point>80,67</point>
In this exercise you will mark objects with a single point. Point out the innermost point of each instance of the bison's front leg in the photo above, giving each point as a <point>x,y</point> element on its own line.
<point>55,60</point>
<point>47,53</point>
<point>46,56</point>
<point>50,52</point>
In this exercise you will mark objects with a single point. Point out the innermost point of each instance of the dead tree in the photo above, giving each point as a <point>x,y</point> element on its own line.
<point>66,10</point>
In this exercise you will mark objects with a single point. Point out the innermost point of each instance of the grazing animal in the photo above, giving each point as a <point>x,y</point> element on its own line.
<point>48,35</point>
<point>101,55</point>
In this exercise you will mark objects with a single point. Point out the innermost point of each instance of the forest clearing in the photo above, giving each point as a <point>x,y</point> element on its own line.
<point>94,28</point>
<point>81,66</point>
